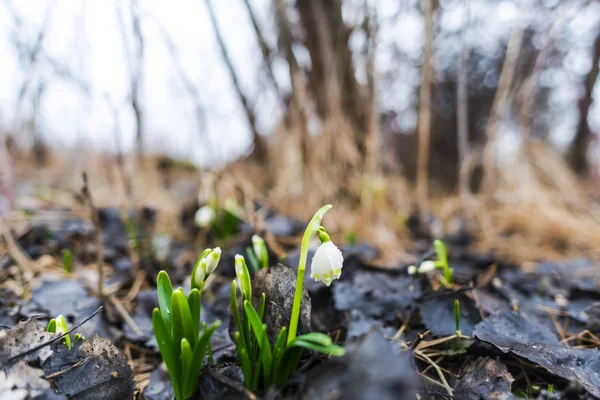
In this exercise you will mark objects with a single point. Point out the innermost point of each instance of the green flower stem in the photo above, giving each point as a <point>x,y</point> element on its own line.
<point>309,233</point>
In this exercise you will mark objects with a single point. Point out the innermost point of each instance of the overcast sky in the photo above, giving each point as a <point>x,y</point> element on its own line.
<point>84,37</point>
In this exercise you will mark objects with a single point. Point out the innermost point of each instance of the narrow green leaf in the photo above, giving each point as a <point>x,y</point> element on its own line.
<point>244,361</point>
<point>288,364</point>
<point>165,291</point>
<point>236,313</point>
<point>317,338</point>
<point>195,309</point>
<point>182,317</point>
<point>332,350</point>
<point>253,260</point>
<point>278,350</point>
<point>261,306</point>
<point>260,330</point>
<point>185,366</point>
<point>199,355</point>
<point>169,353</point>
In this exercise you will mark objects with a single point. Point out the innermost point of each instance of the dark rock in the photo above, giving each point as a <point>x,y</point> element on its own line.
<point>513,332</point>
<point>374,369</point>
<point>483,378</point>
<point>280,225</point>
<point>92,369</point>
<point>278,283</point>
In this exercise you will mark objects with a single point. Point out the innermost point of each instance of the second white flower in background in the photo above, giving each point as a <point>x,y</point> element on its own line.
<point>327,263</point>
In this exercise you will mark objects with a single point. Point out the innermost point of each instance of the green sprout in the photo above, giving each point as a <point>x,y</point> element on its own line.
<point>59,325</point>
<point>177,327</point>
<point>258,253</point>
<point>67,261</point>
<point>457,317</point>
<point>442,260</point>
<point>257,357</point>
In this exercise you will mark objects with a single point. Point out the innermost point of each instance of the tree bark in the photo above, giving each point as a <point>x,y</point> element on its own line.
<point>577,155</point>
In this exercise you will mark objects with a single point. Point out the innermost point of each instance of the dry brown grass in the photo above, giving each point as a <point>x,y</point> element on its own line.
<point>539,209</point>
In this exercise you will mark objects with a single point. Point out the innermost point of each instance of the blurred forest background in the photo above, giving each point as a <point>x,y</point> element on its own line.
<point>478,112</point>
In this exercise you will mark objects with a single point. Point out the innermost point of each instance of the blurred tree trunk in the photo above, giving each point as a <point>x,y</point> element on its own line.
<point>298,114</point>
<point>136,78</point>
<point>577,155</point>
<point>332,67</point>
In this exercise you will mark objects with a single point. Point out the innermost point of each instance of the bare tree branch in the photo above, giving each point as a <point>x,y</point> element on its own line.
<point>260,149</point>
<point>265,50</point>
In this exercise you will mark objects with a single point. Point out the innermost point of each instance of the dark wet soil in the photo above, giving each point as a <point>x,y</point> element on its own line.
<point>524,334</point>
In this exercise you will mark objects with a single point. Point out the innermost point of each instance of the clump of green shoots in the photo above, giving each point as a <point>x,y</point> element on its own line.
<point>258,253</point>
<point>177,327</point>
<point>441,262</point>
<point>258,358</point>
<point>59,325</point>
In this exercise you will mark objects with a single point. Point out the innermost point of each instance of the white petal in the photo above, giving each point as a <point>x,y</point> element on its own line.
<point>426,266</point>
<point>327,263</point>
<point>212,260</point>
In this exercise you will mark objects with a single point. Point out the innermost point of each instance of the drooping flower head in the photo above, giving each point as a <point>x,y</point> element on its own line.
<point>328,261</point>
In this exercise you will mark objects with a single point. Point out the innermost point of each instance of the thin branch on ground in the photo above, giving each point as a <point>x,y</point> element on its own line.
<point>87,197</point>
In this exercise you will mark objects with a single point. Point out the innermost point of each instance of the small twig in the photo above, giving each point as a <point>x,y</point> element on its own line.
<point>125,315</point>
<point>87,196</point>
<point>418,340</point>
<point>238,387</point>
<point>438,370</point>
<point>49,342</point>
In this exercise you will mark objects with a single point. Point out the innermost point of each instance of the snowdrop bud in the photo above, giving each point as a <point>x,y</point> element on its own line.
<point>243,276</point>
<point>200,273</point>
<point>327,263</point>
<point>212,260</point>
<point>426,266</point>
<point>204,216</point>
<point>412,270</point>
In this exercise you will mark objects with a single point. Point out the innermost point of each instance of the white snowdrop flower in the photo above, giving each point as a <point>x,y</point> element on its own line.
<point>204,216</point>
<point>426,266</point>
<point>212,260</point>
<point>412,270</point>
<point>327,263</point>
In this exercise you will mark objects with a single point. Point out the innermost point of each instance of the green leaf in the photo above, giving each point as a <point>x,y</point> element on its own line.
<point>260,330</point>
<point>253,260</point>
<point>165,291</point>
<point>317,338</point>
<point>236,313</point>
<point>51,326</point>
<point>278,350</point>
<point>195,309</point>
<point>289,364</point>
<point>261,306</point>
<point>185,366</point>
<point>198,357</point>
<point>67,260</point>
<point>169,353</point>
<point>182,317</point>
<point>332,350</point>
<point>61,327</point>
<point>244,360</point>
